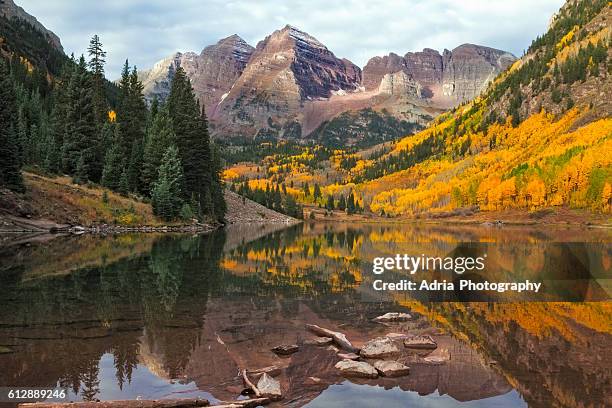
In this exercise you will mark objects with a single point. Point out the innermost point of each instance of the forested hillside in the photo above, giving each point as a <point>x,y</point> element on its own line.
<point>60,116</point>
<point>539,137</point>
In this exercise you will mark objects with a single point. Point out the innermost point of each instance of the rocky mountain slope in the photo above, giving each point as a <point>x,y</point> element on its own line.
<point>10,10</point>
<point>538,137</point>
<point>212,72</point>
<point>449,79</point>
<point>291,84</point>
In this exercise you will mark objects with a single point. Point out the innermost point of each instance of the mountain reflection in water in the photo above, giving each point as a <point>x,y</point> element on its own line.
<point>178,316</point>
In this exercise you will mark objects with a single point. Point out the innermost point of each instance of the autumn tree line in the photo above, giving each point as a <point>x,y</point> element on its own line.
<point>274,197</point>
<point>79,127</point>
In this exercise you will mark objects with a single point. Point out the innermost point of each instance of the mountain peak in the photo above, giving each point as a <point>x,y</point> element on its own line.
<point>234,40</point>
<point>298,36</point>
<point>233,45</point>
<point>9,9</point>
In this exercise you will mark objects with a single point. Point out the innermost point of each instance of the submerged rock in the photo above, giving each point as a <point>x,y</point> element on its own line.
<point>397,336</point>
<point>269,387</point>
<point>393,317</point>
<point>348,356</point>
<point>272,370</point>
<point>339,338</point>
<point>391,368</point>
<point>420,342</point>
<point>435,360</point>
<point>352,368</point>
<point>286,349</point>
<point>332,348</point>
<point>319,341</point>
<point>380,347</point>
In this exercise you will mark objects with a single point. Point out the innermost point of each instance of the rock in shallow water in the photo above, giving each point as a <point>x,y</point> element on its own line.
<point>391,368</point>
<point>435,360</point>
<point>393,317</point>
<point>352,368</point>
<point>348,356</point>
<point>286,349</point>
<point>319,341</point>
<point>380,347</point>
<point>420,342</point>
<point>269,387</point>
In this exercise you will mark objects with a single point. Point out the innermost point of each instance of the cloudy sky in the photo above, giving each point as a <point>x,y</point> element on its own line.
<point>146,31</point>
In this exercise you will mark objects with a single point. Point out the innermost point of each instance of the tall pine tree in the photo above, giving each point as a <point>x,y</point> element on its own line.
<point>166,195</point>
<point>80,136</point>
<point>202,183</point>
<point>160,136</point>
<point>10,171</point>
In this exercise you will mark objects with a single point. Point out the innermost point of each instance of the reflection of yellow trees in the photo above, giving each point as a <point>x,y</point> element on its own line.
<point>546,319</point>
<point>538,319</point>
<point>302,263</point>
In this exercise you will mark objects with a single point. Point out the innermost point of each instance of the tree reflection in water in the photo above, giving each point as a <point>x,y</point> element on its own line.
<point>195,308</point>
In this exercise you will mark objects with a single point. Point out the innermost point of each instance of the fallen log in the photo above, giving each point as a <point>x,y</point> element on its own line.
<point>249,384</point>
<point>251,403</point>
<point>169,403</point>
<point>339,338</point>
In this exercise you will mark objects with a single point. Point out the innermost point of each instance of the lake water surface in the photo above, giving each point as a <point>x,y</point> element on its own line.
<point>176,316</point>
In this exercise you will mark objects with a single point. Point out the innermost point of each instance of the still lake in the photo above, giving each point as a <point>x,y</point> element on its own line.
<point>177,316</point>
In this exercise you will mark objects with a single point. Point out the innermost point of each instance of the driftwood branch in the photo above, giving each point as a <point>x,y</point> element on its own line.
<point>249,384</point>
<point>169,403</point>
<point>251,403</point>
<point>339,338</point>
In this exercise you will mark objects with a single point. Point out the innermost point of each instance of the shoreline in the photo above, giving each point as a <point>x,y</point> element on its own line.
<point>559,217</point>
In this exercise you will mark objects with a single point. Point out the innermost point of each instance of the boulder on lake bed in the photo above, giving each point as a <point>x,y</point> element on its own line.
<point>397,336</point>
<point>348,356</point>
<point>286,349</point>
<point>269,387</point>
<point>391,368</point>
<point>435,360</point>
<point>319,341</point>
<point>333,349</point>
<point>350,368</point>
<point>380,347</point>
<point>420,342</point>
<point>393,317</point>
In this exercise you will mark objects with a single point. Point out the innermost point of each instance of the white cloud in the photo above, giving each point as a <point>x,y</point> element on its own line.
<point>147,31</point>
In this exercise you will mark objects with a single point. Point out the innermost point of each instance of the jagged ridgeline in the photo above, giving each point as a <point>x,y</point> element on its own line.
<point>539,136</point>
<point>59,115</point>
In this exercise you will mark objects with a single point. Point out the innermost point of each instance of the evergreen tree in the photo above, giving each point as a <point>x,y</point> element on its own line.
<point>201,172</point>
<point>277,199</point>
<point>160,136</point>
<point>218,197</point>
<point>80,133</point>
<point>330,203</point>
<point>166,196</point>
<point>96,63</point>
<point>113,164</point>
<point>124,183</point>
<point>134,167</point>
<point>82,171</point>
<point>350,204</point>
<point>132,111</point>
<point>10,171</point>
<point>342,203</point>
<point>317,192</point>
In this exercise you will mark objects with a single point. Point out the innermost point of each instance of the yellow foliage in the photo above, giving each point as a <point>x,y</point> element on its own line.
<point>230,174</point>
<point>537,164</point>
<point>567,38</point>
